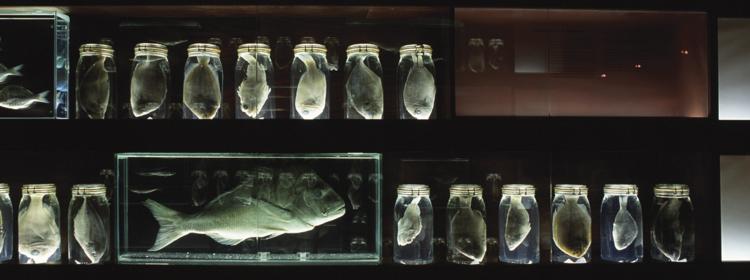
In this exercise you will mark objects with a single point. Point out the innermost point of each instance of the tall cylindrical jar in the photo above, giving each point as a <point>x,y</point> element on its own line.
<point>203,84</point>
<point>149,82</point>
<point>571,224</point>
<point>96,93</point>
<point>310,82</point>
<point>673,225</point>
<point>6,224</point>
<point>519,225</point>
<point>39,225</point>
<point>88,224</point>
<point>466,225</point>
<point>621,224</point>
<point>416,82</point>
<point>253,76</point>
<point>412,223</point>
<point>364,85</point>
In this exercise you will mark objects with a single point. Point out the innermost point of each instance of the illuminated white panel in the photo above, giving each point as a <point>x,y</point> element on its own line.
<point>735,208</point>
<point>734,69</point>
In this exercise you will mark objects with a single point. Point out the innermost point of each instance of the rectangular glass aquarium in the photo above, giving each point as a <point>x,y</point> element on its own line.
<point>33,63</point>
<point>177,208</point>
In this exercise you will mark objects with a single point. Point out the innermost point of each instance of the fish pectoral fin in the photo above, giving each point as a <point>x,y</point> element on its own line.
<point>226,241</point>
<point>274,210</point>
<point>272,236</point>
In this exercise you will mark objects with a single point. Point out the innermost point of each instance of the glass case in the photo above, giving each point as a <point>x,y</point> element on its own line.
<point>248,208</point>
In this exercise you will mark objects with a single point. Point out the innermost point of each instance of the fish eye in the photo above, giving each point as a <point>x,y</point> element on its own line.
<point>245,107</point>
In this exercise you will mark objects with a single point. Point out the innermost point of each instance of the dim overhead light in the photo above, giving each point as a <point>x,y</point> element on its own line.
<point>684,51</point>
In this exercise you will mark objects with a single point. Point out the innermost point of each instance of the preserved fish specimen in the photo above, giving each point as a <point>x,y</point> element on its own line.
<point>90,224</point>
<point>202,86</point>
<point>519,224</point>
<point>157,173</point>
<point>38,225</point>
<point>476,55</point>
<point>310,98</point>
<point>672,231</point>
<point>19,98</point>
<point>571,223</point>
<point>6,224</point>
<point>237,215</point>
<point>419,88</point>
<point>364,87</point>
<point>95,81</point>
<point>254,88</point>
<point>332,56</point>
<point>149,82</point>
<point>413,225</point>
<point>624,229</point>
<point>467,230</point>
<point>497,56</point>
<point>199,188</point>
<point>410,225</point>
<point>5,73</point>
<point>621,227</point>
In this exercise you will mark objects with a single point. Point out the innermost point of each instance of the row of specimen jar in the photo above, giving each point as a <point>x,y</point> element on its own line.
<point>672,231</point>
<point>39,234</point>
<point>254,83</point>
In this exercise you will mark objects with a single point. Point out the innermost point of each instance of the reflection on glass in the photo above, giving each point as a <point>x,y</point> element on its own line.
<point>283,52</point>
<point>332,44</point>
<point>497,54</point>
<point>476,55</point>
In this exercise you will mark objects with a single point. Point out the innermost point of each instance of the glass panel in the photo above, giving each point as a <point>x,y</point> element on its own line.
<point>734,89</point>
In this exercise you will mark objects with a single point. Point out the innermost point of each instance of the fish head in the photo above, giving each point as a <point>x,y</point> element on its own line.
<point>421,109</point>
<point>204,110</point>
<point>249,106</point>
<point>144,108</point>
<point>40,251</point>
<point>94,250</point>
<point>371,108</point>
<point>318,202</point>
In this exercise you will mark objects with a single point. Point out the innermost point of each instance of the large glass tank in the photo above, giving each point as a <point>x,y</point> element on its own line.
<point>33,63</point>
<point>248,208</point>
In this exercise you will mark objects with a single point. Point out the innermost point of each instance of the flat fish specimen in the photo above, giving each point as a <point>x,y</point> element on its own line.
<point>19,98</point>
<point>254,89</point>
<point>235,216</point>
<point>5,73</point>
<point>310,100</point>
<point>668,231</point>
<point>148,86</point>
<point>470,232</point>
<point>38,232</point>
<point>202,92</point>
<point>365,91</point>
<point>419,90</point>
<point>517,223</point>
<point>410,225</point>
<point>624,228</point>
<point>90,232</point>
<point>571,228</point>
<point>157,173</point>
<point>142,190</point>
<point>93,90</point>
<point>199,187</point>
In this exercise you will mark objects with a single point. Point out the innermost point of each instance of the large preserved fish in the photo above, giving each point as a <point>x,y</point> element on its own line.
<point>148,86</point>
<point>410,225</point>
<point>38,232</point>
<point>365,91</point>
<point>6,72</point>
<point>240,214</point>
<point>624,228</point>
<point>254,89</point>
<point>517,223</point>
<point>470,231</point>
<point>2,231</point>
<point>19,98</point>
<point>90,232</point>
<point>419,90</point>
<point>571,228</point>
<point>93,90</point>
<point>310,98</point>
<point>202,90</point>
<point>668,231</point>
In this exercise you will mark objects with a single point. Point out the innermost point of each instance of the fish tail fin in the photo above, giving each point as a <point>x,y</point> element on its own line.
<point>204,59</point>
<point>169,224</point>
<point>16,71</point>
<point>307,59</point>
<point>42,97</point>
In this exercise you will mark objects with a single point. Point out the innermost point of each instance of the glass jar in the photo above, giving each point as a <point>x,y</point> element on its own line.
<point>673,227</point>
<point>412,221</point>
<point>95,82</point>
<point>253,78</point>
<point>466,225</point>
<point>149,82</point>
<point>364,86</point>
<point>39,225</point>
<point>6,224</point>
<point>621,224</point>
<point>416,82</point>
<point>204,82</point>
<point>571,224</point>
<point>88,225</point>
<point>519,225</point>
<point>310,80</point>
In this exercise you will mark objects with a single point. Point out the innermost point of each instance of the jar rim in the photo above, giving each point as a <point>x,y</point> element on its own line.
<point>4,188</point>
<point>89,189</point>
<point>574,189</point>
<point>253,47</point>
<point>413,189</point>
<point>671,190</point>
<point>203,49</point>
<point>96,49</point>
<point>38,188</point>
<point>465,190</point>
<point>416,48</point>
<point>620,189</point>
<point>150,49</point>
<point>363,48</point>
<point>310,47</point>
<point>518,189</point>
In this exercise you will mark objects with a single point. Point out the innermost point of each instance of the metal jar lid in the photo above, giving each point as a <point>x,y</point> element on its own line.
<point>572,189</point>
<point>413,190</point>
<point>620,189</point>
<point>416,48</point>
<point>38,189</point>
<point>4,188</point>
<point>310,47</point>
<point>465,190</point>
<point>89,189</point>
<point>150,49</point>
<point>671,190</point>
<point>254,48</point>
<point>96,49</point>
<point>518,189</point>
<point>363,48</point>
<point>203,49</point>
